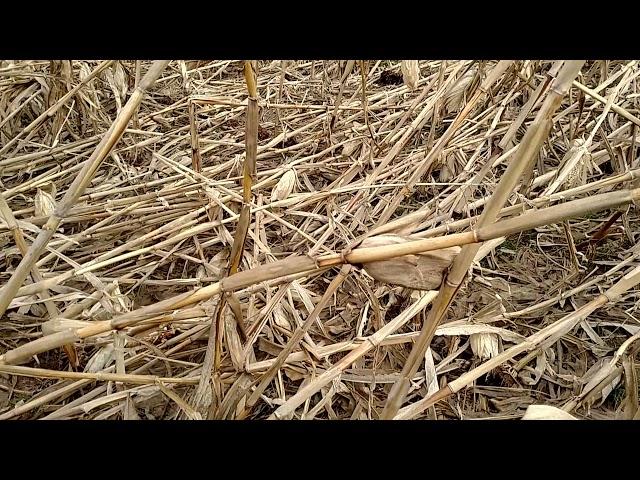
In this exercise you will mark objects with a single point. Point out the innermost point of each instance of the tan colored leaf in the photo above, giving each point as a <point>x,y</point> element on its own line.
<point>285,186</point>
<point>410,73</point>
<point>102,359</point>
<point>234,344</point>
<point>454,99</point>
<point>44,204</point>
<point>546,412</point>
<point>430,376</point>
<point>280,318</point>
<point>484,345</point>
<point>423,271</point>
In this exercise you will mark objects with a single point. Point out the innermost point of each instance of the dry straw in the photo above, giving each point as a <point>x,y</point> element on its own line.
<point>201,251</point>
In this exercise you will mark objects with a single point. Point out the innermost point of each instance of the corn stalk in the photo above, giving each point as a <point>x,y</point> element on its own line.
<point>163,310</point>
<point>213,355</point>
<point>555,330</point>
<point>526,154</point>
<point>82,180</point>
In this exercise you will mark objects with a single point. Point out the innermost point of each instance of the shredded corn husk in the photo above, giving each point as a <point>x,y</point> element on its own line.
<point>454,99</point>
<point>546,412</point>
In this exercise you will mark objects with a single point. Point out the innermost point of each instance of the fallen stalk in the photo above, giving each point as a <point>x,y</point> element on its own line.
<point>300,264</point>
<point>102,377</point>
<point>536,134</point>
<point>82,180</point>
<point>334,372</point>
<point>556,329</point>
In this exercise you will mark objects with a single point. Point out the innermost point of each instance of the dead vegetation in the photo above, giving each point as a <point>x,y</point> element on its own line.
<point>318,239</point>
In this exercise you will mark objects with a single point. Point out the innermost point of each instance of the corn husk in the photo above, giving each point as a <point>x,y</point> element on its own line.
<point>576,165</point>
<point>285,186</point>
<point>234,344</point>
<point>448,169</point>
<point>578,174</point>
<point>484,345</point>
<point>455,97</point>
<point>546,412</point>
<point>117,79</point>
<point>44,203</point>
<point>120,80</point>
<point>102,359</point>
<point>423,271</point>
<point>89,93</point>
<point>410,73</point>
<point>280,318</point>
<point>593,379</point>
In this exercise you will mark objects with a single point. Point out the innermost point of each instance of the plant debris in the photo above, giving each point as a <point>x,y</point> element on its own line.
<point>204,223</point>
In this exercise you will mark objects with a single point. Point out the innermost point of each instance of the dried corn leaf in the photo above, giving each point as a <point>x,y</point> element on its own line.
<point>284,186</point>
<point>430,376</point>
<point>280,318</point>
<point>234,344</point>
<point>423,271</point>
<point>102,359</point>
<point>410,73</point>
<point>546,412</point>
<point>44,203</point>
<point>455,97</point>
<point>484,345</point>
<point>594,376</point>
<point>120,80</point>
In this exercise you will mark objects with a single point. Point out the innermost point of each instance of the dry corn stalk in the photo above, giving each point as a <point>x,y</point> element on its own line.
<point>304,264</point>
<point>410,73</point>
<point>423,271</point>
<point>528,150</point>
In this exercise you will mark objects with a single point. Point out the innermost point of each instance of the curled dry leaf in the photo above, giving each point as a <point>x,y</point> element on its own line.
<point>448,170</point>
<point>594,377</point>
<point>410,73</point>
<point>102,359</point>
<point>430,376</point>
<point>281,318</point>
<point>44,203</point>
<point>423,271</point>
<point>88,93</point>
<point>285,186</point>
<point>455,97</point>
<point>546,412</point>
<point>484,345</point>
<point>234,344</point>
<point>578,161</point>
<point>461,327</point>
<point>120,80</point>
<point>350,147</point>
